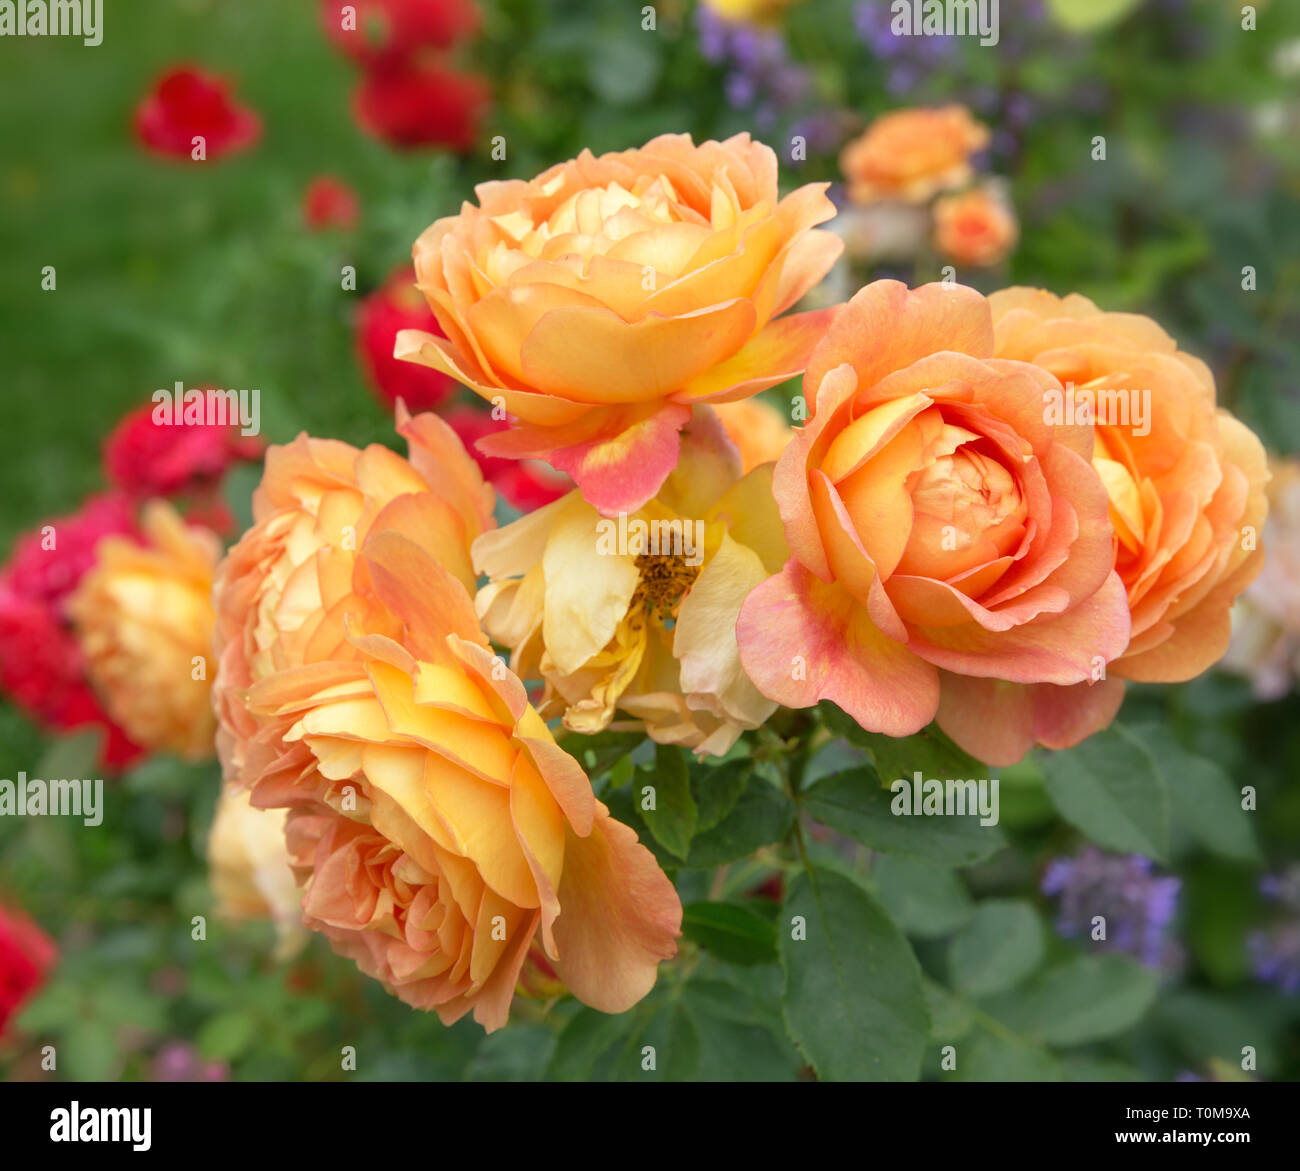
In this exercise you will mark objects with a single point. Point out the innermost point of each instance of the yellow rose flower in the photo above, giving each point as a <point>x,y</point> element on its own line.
<point>144,619</point>
<point>637,614</point>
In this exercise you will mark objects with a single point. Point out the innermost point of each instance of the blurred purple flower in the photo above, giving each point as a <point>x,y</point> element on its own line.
<point>1137,905</point>
<point>907,59</point>
<point>178,1061</point>
<point>760,76</point>
<point>1275,949</point>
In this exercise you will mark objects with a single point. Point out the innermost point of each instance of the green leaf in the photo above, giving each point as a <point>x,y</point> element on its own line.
<point>1000,946</point>
<point>89,1052</point>
<point>227,1035</point>
<point>854,803</point>
<point>675,815</point>
<point>763,815</point>
<point>738,1042</point>
<point>925,900</point>
<point>517,1054</point>
<point>731,932</point>
<point>1085,16</point>
<point>587,1037</point>
<point>594,1046</point>
<point>1109,788</point>
<point>999,1057</point>
<point>950,1017</point>
<point>853,998</point>
<point>1203,800</point>
<point>716,791</point>
<point>1091,998</point>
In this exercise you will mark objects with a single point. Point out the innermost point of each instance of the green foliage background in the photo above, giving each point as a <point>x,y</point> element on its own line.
<point>205,274</point>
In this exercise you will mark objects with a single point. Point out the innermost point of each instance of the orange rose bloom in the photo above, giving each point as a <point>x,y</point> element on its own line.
<point>599,301</point>
<point>438,831</point>
<point>942,534</point>
<point>975,228</point>
<point>910,155</point>
<point>144,618</point>
<point>285,592</point>
<point>1186,484</point>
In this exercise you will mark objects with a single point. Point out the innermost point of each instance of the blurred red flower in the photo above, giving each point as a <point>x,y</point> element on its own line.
<point>525,484</point>
<point>384,31</point>
<point>394,306</point>
<point>41,666</point>
<point>412,104</point>
<point>142,458</point>
<point>186,102</point>
<point>46,565</point>
<point>330,203</point>
<point>26,956</point>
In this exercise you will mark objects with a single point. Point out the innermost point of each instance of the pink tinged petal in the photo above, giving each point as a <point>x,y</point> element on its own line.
<point>998,722</point>
<point>1064,649</point>
<point>806,450</point>
<point>437,453</point>
<point>802,641</point>
<point>886,327</point>
<point>619,917</point>
<point>492,1004</point>
<point>622,472</point>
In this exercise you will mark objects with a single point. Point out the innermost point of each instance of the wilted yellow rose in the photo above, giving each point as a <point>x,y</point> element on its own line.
<point>637,613</point>
<point>600,301</point>
<point>248,867</point>
<point>143,614</point>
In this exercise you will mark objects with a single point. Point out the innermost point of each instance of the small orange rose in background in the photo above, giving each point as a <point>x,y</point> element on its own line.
<point>144,619</point>
<point>975,228</point>
<point>911,155</point>
<point>1186,484</point>
<point>943,536</point>
<point>599,301</point>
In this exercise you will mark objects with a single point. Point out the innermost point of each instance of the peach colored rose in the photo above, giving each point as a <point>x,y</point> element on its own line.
<point>912,154</point>
<point>143,615</point>
<point>248,867</point>
<point>437,828</point>
<point>974,228</point>
<point>285,591</point>
<point>1265,644</point>
<point>943,535</point>
<point>1187,499</point>
<point>759,431</point>
<point>599,301</point>
<point>637,615</point>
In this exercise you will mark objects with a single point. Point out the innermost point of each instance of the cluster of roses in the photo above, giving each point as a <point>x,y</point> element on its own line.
<point>950,537</point>
<point>940,541</point>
